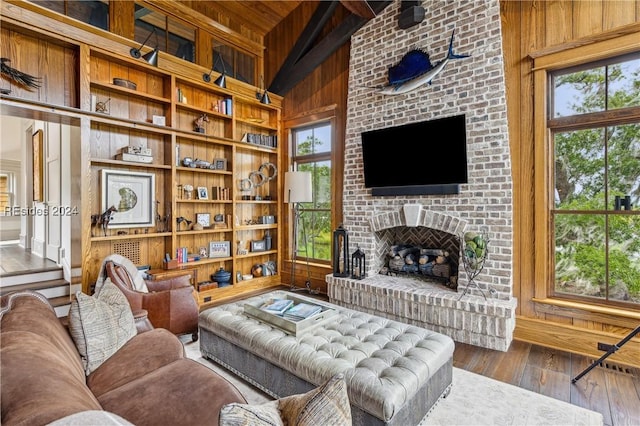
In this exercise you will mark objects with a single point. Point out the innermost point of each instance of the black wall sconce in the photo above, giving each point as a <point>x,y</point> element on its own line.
<point>150,57</point>
<point>358,265</point>
<point>264,97</point>
<point>221,81</point>
<point>340,252</point>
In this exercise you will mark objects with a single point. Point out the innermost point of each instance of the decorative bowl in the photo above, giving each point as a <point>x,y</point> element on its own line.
<point>125,83</point>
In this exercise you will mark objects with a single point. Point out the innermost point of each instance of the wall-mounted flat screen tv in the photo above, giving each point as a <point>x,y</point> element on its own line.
<point>428,157</point>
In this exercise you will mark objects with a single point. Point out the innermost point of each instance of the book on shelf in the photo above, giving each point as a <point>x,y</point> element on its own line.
<point>277,306</point>
<point>302,311</point>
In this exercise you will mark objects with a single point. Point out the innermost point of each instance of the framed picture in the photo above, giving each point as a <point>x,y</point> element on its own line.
<point>203,193</point>
<point>258,245</point>
<point>202,251</point>
<point>220,163</point>
<point>203,219</point>
<point>219,249</point>
<point>131,193</point>
<point>37,166</point>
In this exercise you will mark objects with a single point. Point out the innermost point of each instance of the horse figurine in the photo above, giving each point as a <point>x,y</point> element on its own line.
<point>199,123</point>
<point>106,217</point>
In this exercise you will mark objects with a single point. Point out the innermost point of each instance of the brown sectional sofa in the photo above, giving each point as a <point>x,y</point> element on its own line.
<point>149,381</point>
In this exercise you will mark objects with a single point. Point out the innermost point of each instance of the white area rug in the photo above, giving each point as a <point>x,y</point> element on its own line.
<point>473,400</point>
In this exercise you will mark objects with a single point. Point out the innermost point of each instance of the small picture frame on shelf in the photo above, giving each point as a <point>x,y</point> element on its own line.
<point>203,219</point>
<point>219,249</point>
<point>202,251</point>
<point>203,193</point>
<point>258,245</point>
<point>220,163</point>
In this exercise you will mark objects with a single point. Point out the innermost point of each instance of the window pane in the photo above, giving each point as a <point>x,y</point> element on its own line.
<point>182,40</point>
<point>579,170</point>
<point>146,21</point>
<point>313,140</point>
<point>55,5</point>
<point>316,230</point>
<point>95,13</point>
<point>237,64</point>
<point>624,84</point>
<point>624,258</point>
<point>579,92</point>
<point>608,86</point>
<point>580,254</point>
<point>623,156</point>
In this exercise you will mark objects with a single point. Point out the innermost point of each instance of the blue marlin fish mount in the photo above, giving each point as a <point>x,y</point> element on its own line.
<point>415,69</point>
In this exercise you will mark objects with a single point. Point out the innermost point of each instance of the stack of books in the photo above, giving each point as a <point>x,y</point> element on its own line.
<point>277,306</point>
<point>301,311</point>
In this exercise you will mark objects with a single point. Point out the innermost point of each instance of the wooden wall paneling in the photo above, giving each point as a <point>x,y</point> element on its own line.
<point>575,339</point>
<point>558,22</point>
<point>121,20</point>
<point>587,19</point>
<point>326,86</point>
<point>616,13</point>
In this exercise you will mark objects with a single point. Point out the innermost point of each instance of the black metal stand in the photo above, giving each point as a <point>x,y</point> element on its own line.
<point>612,349</point>
<point>307,283</point>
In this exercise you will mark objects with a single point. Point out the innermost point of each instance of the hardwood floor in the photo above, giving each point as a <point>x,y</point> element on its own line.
<point>611,390</point>
<point>15,260</point>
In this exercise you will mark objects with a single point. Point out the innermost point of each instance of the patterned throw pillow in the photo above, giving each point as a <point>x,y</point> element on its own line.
<point>100,325</point>
<point>326,405</point>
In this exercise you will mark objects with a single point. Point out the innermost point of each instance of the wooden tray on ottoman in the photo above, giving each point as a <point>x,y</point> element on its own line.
<point>286,325</point>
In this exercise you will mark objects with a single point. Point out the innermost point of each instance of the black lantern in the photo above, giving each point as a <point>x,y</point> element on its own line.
<point>340,252</point>
<point>358,265</point>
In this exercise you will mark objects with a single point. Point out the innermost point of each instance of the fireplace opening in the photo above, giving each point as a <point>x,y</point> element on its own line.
<point>420,252</point>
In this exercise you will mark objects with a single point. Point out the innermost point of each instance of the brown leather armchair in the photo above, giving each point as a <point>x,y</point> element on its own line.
<point>170,303</point>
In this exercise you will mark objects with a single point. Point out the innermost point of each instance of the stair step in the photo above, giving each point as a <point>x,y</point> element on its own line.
<point>13,280</point>
<point>61,305</point>
<point>49,288</point>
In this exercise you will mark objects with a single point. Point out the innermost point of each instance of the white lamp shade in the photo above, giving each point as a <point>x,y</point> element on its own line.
<point>297,187</point>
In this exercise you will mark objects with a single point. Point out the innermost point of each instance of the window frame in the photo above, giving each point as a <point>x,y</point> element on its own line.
<point>297,160</point>
<point>545,126</point>
<point>326,114</point>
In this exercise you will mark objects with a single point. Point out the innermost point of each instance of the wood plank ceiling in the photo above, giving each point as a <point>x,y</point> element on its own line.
<point>309,51</point>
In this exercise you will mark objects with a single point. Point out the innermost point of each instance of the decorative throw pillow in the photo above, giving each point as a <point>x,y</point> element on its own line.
<point>235,414</point>
<point>100,325</point>
<point>326,405</point>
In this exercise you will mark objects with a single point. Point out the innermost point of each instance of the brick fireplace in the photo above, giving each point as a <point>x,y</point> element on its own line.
<point>475,87</point>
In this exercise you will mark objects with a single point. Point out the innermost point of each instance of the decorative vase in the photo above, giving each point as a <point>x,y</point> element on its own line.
<point>222,277</point>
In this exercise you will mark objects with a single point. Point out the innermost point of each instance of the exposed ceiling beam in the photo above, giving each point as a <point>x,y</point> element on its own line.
<point>360,8</point>
<point>301,61</point>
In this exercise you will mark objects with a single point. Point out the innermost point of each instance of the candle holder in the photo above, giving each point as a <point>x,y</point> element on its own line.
<point>358,264</point>
<point>340,252</point>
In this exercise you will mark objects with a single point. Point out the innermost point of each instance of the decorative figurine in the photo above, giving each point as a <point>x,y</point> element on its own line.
<point>199,123</point>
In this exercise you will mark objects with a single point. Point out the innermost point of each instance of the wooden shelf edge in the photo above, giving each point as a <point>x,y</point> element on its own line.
<point>131,236</point>
<point>110,86</point>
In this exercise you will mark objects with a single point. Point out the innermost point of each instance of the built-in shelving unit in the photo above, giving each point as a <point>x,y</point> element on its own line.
<point>194,134</point>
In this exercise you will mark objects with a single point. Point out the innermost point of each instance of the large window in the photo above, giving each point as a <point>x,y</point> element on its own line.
<point>172,36</point>
<point>312,152</point>
<point>594,119</point>
<point>92,12</point>
<point>237,64</point>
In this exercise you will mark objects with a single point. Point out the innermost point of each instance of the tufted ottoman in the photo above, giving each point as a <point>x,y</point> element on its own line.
<point>395,372</point>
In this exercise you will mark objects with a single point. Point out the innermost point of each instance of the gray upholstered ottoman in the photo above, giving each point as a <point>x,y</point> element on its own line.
<point>395,372</point>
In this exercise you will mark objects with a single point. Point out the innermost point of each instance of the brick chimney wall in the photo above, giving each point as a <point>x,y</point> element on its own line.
<point>473,86</point>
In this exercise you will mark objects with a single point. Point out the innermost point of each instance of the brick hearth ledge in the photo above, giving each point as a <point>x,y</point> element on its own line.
<point>468,319</point>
